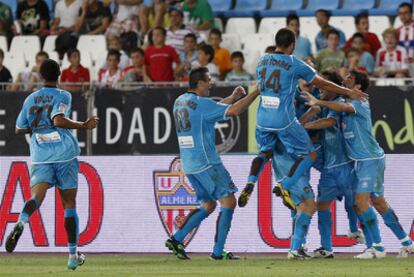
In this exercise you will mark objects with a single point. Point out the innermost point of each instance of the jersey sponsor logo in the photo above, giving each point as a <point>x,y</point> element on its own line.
<point>63,107</point>
<point>48,138</point>
<point>270,102</point>
<point>349,135</point>
<point>186,141</point>
<point>175,198</point>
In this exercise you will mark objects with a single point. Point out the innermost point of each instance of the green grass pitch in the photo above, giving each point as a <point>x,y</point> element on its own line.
<point>162,265</point>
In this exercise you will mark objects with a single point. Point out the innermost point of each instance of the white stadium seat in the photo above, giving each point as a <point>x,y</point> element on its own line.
<point>270,25</point>
<point>344,23</point>
<point>219,23</point>
<point>250,61</point>
<point>231,42</point>
<point>54,56</point>
<point>15,63</point>
<point>378,24</point>
<point>241,25</point>
<point>309,28</point>
<point>257,42</point>
<point>92,44</point>
<point>28,45</point>
<point>49,44</point>
<point>397,22</point>
<point>3,44</point>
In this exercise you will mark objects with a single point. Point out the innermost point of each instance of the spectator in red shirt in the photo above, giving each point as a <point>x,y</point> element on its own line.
<point>371,43</point>
<point>159,58</point>
<point>135,72</point>
<point>75,73</point>
<point>113,74</point>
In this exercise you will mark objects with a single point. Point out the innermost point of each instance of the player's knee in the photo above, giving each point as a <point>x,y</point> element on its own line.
<point>323,205</point>
<point>210,206</point>
<point>361,203</point>
<point>380,204</point>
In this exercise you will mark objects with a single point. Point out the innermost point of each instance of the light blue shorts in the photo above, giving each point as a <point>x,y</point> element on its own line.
<point>301,190</point>
<point>212,184</point>
<point>336,183</point>
<point>370,177</point>
<point>62,175</point>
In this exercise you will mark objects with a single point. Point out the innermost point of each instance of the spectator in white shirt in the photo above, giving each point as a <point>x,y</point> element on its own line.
<point>112,75</point>
<point>126,18</point>
<point>205,59</point>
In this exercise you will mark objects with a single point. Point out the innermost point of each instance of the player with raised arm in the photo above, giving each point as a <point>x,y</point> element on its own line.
<point>278,74</point>
<point>53,150</point>
<point>195,116</point>
<point>369,157</point>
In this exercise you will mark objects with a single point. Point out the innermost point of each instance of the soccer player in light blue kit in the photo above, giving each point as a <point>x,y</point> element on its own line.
<point>195,116</point>
<point>337,179</point>
<point>53,151</point>
<point>278,74</point>
<point>369,157</point>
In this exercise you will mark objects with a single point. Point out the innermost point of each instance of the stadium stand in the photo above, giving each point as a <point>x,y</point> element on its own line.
<point>247,8</point>
<point>231,42</point>
<point>314,5</point>
<point>3,44</point>
<point>386,7</point>
<point>241,26</point>
<point>220,6</point>
<point>93,45</point>
<point>15,63</point>
<point>345,23</point>
<point>282,7</point>
<point>49,44</point>
<point>28,45</point>
<point>377,24</point>
<point>270,24</point>
<point>353,7</point>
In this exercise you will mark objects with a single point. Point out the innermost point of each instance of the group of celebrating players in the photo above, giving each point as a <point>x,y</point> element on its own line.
<point>334,136</point>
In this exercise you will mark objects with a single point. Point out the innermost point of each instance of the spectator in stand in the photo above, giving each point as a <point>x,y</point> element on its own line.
<point>110,76</point>
<point>303,45</point>
<point>406,31</point>
<point>5,76</point>
<point>66,25</point>
<point>352,62</point>
<point>6,20</point>
<point>177,30</point>
<point>116,44</point>
<point>33,18</point>
<point>205,59</point>
<point>322,17</point>
<point>155,7</point>
<point>159,58</point>
<point>366,60</point>
<point>135,72</point>
<point>392,60</point>
<point>371,42</point>
<point>29,80</point>
<point>95,17</point>
<point>75,73</point>
<point>238,74</point>
<point>199,13</point>
<point>221,55</point>
<point>189,55</point>
<point>331,57</point>
<point>126,18</point>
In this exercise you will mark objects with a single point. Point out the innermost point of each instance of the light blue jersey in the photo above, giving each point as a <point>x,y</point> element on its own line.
<point>195,118</point>
<point>332,140</point>
<point>359,138</point>
<point>277,75</point>
<point>48,144</point>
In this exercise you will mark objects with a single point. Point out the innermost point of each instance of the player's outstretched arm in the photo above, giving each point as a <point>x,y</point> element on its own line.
<point>311,112</point>
<point>237,93</point>
<point>319,124</point>
<point>332,105</point>
<point>66,123</point>
<point>23,131</point>
<point>324,84</point>
<point>241,105</point>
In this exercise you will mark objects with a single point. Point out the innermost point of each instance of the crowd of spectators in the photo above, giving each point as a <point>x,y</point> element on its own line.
<point>161,41</point>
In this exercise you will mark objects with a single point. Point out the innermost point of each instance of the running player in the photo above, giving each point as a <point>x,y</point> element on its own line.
<point>195,116</point>
<point>369,157</point>
<point>278,74</point>
<point>53,151</point>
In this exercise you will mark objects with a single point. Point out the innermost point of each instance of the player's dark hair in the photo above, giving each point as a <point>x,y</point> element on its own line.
<point>237,54</point>
<point>358,35</point>
<point>406,4</point>
<point>332,76</point>
<point>284,38</point>
<point>191,35</point>
<point>270,49</point>
<point>163,31</point>
<point>291,17</point>
<point>360,16</point>
<point>73,51</point>
<point>198,74</point>
<point>361,78</point>
<point>333,31</point>
<point>208,50</point>
<point>325,12</point>
<point>50,70</point>
<point>114,52</point>
<point>216,32</point>
<point>137,50</point>
<point>1,53</point>
<point>42,53</point>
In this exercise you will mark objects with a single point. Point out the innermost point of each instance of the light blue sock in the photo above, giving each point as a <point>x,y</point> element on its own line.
<point>325,229</point>
<point>352,217</point>
<point>303,167</point>
<point>391,220</point>
<point>72,229</point>
<point>261,158</point>
<point>367,234</point>
<point>28,209</point>
<point>192,222</point>
<point>369,218</point>
<point>223,228</point>
<point>302,223</point>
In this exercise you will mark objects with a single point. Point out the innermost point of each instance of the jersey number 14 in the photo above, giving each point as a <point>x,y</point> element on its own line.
<point>272,81</point>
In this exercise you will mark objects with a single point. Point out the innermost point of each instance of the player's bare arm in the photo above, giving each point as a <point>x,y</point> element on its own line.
<point>23,131</point>
<point>319,124</point>
<point>238,92</point>
<point>324,84</point>
<point>240,106</point>
<point>63,122</point>
<point>309,114</point>
<point>334,106</point>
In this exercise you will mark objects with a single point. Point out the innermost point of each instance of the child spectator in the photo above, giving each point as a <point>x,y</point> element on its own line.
<point>116,44</point>
<point>352,62</point>
<point>189,55</point>
<point>159,58</point>
<point>75,73</point>
<point>95,17</point>
<point>112,75</point>
<point>33,18</point>
<point>29,80</point>
<point>238,73</point>
<point>366,59</point>
<point>135,72</point>
<point>392,60</point>
<point>332,56</point>
<point>205,58</point>
<point>406,31</point>
<point>221,55</point>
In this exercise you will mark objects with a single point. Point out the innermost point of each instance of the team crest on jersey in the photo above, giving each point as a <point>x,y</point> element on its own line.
<point>175,198</point>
